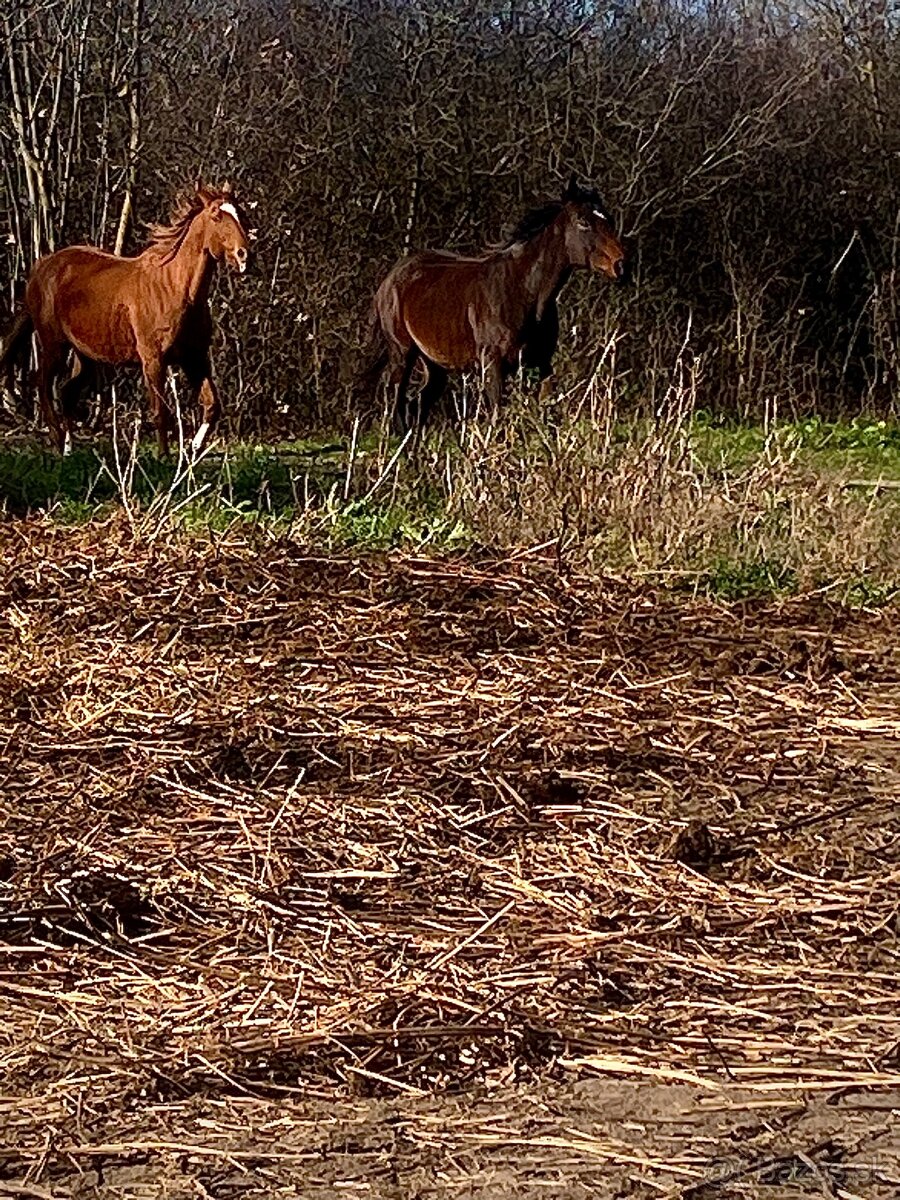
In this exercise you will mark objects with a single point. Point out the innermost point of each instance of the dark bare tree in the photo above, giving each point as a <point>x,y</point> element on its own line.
<point>750,146</point>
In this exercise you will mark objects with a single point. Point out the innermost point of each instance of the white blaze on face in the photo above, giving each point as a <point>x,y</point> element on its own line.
<point>597,213</point>
<point>227,207</point>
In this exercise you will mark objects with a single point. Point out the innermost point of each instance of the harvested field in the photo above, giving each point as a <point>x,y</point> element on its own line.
<point>454,876</point>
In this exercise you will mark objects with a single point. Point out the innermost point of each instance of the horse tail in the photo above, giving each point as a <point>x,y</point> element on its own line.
<point>378,357</point>
<point>15,341</point>
<point>12,348</point>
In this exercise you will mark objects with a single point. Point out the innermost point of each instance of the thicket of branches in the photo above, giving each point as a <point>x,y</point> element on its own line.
<point>750,148</point>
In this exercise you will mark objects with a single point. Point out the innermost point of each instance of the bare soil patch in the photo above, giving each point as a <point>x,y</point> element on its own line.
<point>419,877</point>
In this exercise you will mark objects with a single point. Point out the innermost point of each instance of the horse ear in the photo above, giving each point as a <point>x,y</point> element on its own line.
<point>572,189</point>
<point>227,189</point>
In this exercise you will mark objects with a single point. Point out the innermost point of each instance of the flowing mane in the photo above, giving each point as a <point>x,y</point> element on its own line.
<point>166,240</point>
<point>537,219</point>
<point>534,222</point>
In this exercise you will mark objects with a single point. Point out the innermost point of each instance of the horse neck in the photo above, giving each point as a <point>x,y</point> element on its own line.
<point>191,268</point>
<point>545,266</point>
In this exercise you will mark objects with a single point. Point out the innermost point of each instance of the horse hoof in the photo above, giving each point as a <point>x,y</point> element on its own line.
<point>200,438</point>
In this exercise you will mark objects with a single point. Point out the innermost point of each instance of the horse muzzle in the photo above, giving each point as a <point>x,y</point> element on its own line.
<point>613,268</point>
<point>616,269</point>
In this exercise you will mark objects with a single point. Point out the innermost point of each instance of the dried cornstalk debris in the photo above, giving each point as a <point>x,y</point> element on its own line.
<point>273,823</point>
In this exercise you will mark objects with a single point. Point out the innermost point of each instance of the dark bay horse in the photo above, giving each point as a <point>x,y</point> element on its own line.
<point>152,309</point>
<point>497,309</point>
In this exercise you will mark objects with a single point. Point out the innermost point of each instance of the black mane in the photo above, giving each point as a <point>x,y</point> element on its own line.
<point>537,219</point>
<point>534,222</point>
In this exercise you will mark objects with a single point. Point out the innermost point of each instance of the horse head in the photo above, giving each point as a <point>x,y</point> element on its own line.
<point>590,237</point>
<point>227,236</point>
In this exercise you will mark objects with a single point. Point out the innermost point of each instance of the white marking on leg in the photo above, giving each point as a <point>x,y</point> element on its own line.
<point>67,444</point>
<point>200,437</point>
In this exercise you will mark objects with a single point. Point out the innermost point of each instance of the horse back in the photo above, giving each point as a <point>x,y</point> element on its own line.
<point>430,299</point>
<point>84,296</point>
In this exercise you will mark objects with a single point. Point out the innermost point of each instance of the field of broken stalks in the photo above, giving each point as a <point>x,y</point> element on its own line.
<point>437,875</point>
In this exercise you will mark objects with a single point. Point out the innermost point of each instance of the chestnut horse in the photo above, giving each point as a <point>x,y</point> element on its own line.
<point>496,309</point>
<point>152,309</point>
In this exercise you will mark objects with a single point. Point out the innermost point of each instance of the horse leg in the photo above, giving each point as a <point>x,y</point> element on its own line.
<point>546,382</point>
<point>68,399</point>
<point>401,373</point>
<point>200,378</point>
<point>543,348</point>
<point>432,391</point>
<point>211,406</point>
<point>155,378</point>
<point>49,358</point>
<point>492,378</point>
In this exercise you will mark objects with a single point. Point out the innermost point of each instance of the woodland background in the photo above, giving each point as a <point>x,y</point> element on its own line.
<point>749,147</point>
